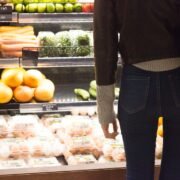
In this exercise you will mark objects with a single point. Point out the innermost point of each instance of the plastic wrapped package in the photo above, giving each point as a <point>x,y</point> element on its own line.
<point>114,150</point>
<point>36,148</point>
<point>3,127</point>
<point>77,125</point>
<point>103,159</point>
<point>52,122</point>
<point>42,162</point>
<point>81,159</point>
<point>45,147</point>
<point>118,154</point>
<point>14,148</point>
<point>23,126</point>
<point>80,42</point>
<point>44,132</point>
<point>97,133</point>
<point>63,42</point>
<point>18,148</point>
<point>4,151</point>
<point>90,111</point>
<point>82,145</point>
<point>53,148</point>
<point>20,151</point>
<point>11,164</point>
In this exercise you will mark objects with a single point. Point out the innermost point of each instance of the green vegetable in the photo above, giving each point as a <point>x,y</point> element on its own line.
<point>47,44</point>
<point>83,48</point>
<point>92,92</point>
<point>84,94</point>
<point>93,84</point>
<point>63,41</point>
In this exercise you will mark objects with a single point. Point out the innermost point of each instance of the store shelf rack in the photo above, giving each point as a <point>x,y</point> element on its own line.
<point>51,18</point>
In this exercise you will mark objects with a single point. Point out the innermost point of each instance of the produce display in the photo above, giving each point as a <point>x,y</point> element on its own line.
<point>72,43</point>
<point>51,6</point>
<point>33,141</point>
<point>14,38</point>
<point>24,85</point>
<point>91,92</point>
<point>65,43</point>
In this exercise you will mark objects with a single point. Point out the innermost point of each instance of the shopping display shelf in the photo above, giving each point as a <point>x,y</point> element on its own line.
<point>110,171</point>
<point>64,100</point>
<point>9,62</point>
<point>9,18</point>
<point>51,18</point>
<point>61,62</point>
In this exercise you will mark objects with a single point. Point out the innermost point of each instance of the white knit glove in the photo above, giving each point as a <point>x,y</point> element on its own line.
<point>105,108</point>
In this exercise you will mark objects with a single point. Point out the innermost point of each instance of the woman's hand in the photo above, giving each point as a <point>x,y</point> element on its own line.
<point>105,128</point>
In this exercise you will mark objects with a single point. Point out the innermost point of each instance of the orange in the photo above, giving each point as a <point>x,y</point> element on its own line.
<point>45,91</point>
<point>23,93</point>
<point>6,93</point>
<point>12,77</point>
<point>33,77</point>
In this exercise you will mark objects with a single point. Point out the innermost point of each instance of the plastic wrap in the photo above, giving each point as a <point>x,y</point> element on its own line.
<point>42,146</point>
<point>42,162</point>
<point>113,149</point>
<point>52,122</point>
<point>11,164</point>
<point>81,159</point>
<point>103,159</point>
<point>77,126</point>
<point>82,145</point>
<point>3,127</point>
<point>23,126</point>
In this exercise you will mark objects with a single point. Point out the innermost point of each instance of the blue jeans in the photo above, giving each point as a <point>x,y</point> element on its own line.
<point>144,96</point>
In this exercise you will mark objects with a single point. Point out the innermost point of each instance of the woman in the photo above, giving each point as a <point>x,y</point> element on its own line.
<point>149,45</point>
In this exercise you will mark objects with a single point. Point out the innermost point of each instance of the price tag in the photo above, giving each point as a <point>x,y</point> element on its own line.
<point>5,13</point>
<point>5,9</point>
<point>49,107</point>
<point>30,53</point>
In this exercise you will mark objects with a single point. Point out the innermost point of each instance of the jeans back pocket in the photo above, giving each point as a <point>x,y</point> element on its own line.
<point>134,93</point>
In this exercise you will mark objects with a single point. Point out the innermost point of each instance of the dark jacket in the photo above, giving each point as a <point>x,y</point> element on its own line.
<point>149,30</point>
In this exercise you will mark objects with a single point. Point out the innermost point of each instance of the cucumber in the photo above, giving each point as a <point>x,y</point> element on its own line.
<point>93,84</point>
<point>92,92</point>
<point>84,94</point>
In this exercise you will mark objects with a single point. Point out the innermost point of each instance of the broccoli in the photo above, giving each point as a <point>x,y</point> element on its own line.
<point>64,44</point>
<point>83,45</point>
<point>47,44</point>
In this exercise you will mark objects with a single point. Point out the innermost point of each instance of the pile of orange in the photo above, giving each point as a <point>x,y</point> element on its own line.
<point>23,86</point>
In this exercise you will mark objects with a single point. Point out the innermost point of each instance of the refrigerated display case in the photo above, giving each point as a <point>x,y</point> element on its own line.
<point>67,73</point>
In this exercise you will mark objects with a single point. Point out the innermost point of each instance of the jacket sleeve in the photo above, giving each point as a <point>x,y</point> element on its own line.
<point>105,41</point>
